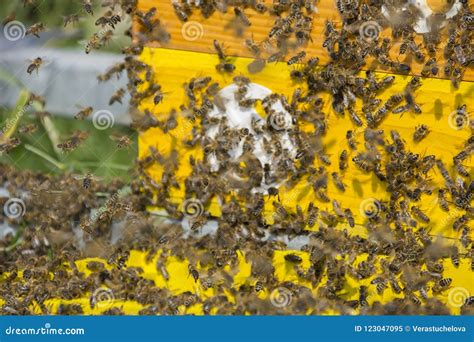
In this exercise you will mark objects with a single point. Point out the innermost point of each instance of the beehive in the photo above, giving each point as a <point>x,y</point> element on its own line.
<point>189,53</point>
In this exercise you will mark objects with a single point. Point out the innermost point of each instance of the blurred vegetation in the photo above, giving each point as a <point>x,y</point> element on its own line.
<point>52,12</point>
<point>98,154</point>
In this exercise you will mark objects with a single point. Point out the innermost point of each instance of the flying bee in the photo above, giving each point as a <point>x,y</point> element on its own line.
<point>35,29</point>
<point>123,141</point>
<point>87,6</point>
<point>70,19</point>
<point>74,141</point>
<point>34,65</point>
<point>259,286</point>
<point>239,13</point>
<point>117,96</point>
<point>420,133</point>
<point>9,144</point>
<point>86,180</point>
<point>349,217</point>
<point>295,59</point>
<point>83,113</point>
<point>338,182</point>
<point>28,129</point>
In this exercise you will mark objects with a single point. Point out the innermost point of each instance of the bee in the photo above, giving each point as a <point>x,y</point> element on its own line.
<point>395,286</point>
<point>419,214</point>
<point>117,96</point>
<point>259,286</point>
<point>256,65</point>
<point>293,258</point>
<point>83,113</point>
<point>350,137</point>
<point>193,272</point>
<point>455,258</point>
<point>363,294</point>
<point>349,217</point>
<point>87,181</point>
<point>343,160</point>
<point>460,221</point>
<point>430,67</point>
<point>338,182</point>
<point>312,214</point>
<point>35,29</point>
<point>93,43</point>
<point>34,65</point>
<point>10,144</point>
<point>225,67</point>
<point>180,12</point>
<point>70,144</point>
<point>219,49</point>
<point>295,59</point>
<point>28,129</point>
<point>70,19</point>
<point>442,284</point>
<point>380,285</point>
<point>465,239</point>
<point>87,6</point>
<point>461,169</point>
<point>242,16</point>
<point>253,47</point>
<point>123,141</point>
<point>420,133</point>
<point>442,201</point>
<point>354,117</point>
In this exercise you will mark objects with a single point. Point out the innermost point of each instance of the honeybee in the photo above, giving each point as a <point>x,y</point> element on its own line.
<point>83,113</point>
<point>239,13</point>
<point>70,19</point>
<point>10,144</point>
<point>35,29</point>
<point>180,12</point>
<point>87,6</point>
<point>349,217</point>
<point>193,272</point>
<point>28,129</point>
<point>74,141</point>
<point>350,137</point>
<point>34,65</point>
<point>295,59</point>
<point>420,133</point>
<point>338,182</point>
<point>123,141</point>
<point>117,96</point>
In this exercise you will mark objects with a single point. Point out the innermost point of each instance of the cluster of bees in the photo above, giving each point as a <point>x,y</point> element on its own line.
<point>401,254</point>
